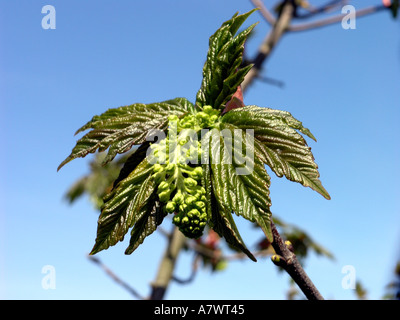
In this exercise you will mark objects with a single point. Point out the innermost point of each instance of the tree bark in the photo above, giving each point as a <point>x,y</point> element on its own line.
<point>167,265</point>
<point>286,259</point>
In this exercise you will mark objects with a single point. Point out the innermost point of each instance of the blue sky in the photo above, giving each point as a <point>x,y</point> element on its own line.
<point>342,84</point>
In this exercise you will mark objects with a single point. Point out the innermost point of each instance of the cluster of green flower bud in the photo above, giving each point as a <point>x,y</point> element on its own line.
<point>180,190</point>
<point>199,120</point>
<point>191,216</point>
<point>179,184</point>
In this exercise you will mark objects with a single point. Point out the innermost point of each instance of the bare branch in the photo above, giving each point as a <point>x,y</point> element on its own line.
<point>202,250</point>
<point>195,266</point>
<point>335,19</point>
<point>271,81</point>
<point>331,5</point>
<point>269,43</point>
<point>175,243</point>
<point>116,278</point>
<point>164,232</point>
<point>242,256</point>
<point>286,259</point>
<point>268,16</point>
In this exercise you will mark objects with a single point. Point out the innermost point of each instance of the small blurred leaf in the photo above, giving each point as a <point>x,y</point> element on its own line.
<point>360,291</point>
<point>98,182</point>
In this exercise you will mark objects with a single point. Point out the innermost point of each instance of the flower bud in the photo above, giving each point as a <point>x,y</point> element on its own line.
<point>185,220</point>
<point>170,207</point>
<point>164,196</point>
<point>200,205</point>
<point>170,167</point>
<point>207,109</point>
<point>163,186</point>
<point>197,173</point>
<point>213,118</point>
<point>182,142</point>
<point>178,198</point>
<point>189,182</point>
<point>189,200</point>
<point>194,213</point>
<point>173,118</point>
<point>157,167</point>
<point>158,176</point>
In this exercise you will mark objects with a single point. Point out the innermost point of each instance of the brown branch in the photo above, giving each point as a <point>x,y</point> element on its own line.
<point>212,254</point>
<point>278,30</point>
<point>331,5</point>
<point>115,277</point>
<point>243,256</point>
<point>286,259</point>
<point>284,24</point>
<point>272,82</point>
<point>195,267</point>
<point>335,19</point>
<point>175,243</point>
<point>312,11</point>
<point>268,16</point>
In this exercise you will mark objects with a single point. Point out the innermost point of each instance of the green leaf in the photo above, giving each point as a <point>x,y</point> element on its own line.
<point>206,183</point>
<point>219,214</point>
<point>225,226</point>
<point>221,72</point>
<point>77,189</point>
<point>278,144</point>
<point>125,206</point>
<point>121,128</point>
<point>239,179</point>
<point>240,184</point>
<point>151,218</point>
<point>132,162</point>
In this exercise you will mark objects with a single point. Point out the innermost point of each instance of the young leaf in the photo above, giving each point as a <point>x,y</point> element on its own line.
<point>125,206</point>
<point>279,145</point>
<point>206,183</point>
<point>151,217</point>
<point>132,162</point>
<point>225,226</point>
<point>121,128</point>
<point>221,72</point>
<point>244,190</point>
<point>219,214</point>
